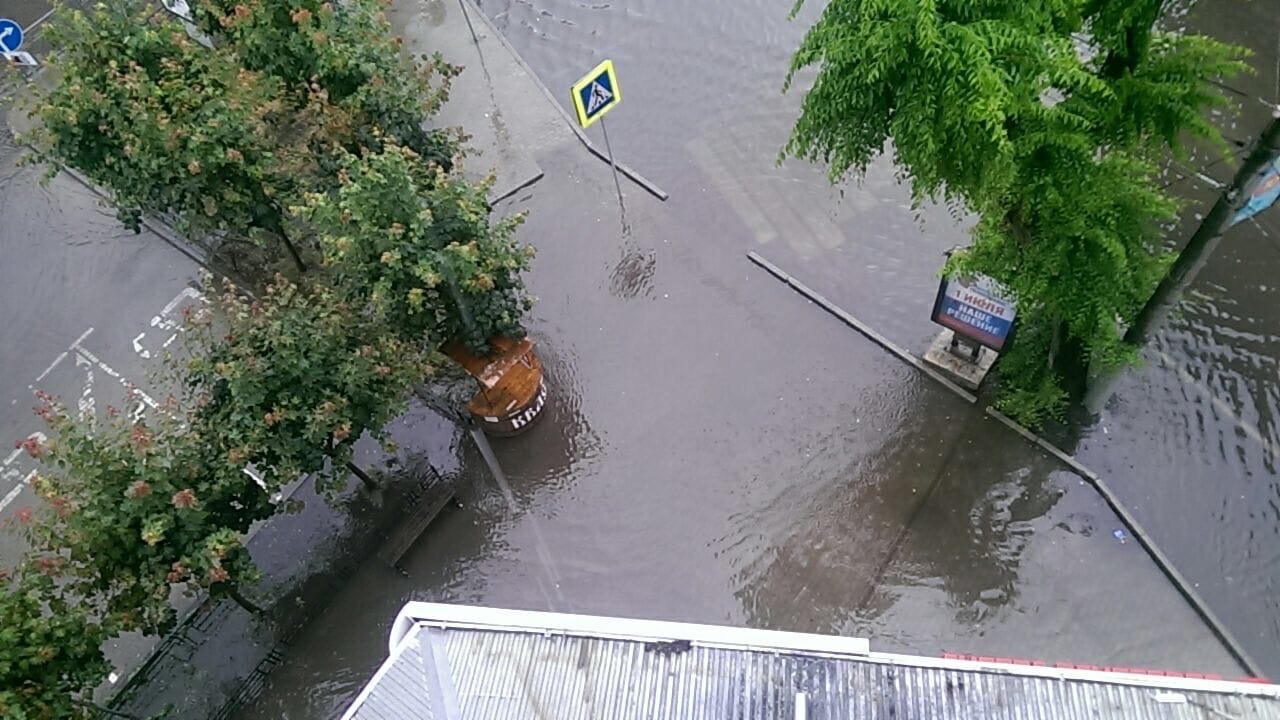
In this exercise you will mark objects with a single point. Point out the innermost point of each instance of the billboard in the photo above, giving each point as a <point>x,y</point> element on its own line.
<point>975,307</point>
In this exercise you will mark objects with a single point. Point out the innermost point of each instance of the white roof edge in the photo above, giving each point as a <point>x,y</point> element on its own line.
<point>486,618</point>
<point>392,657</point>
<point>622,628</point>
<point>1157,682</point>
<point>403,624</point>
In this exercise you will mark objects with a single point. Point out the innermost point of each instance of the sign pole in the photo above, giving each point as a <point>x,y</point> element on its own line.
<point>594,95</point>
<point>1266,149</point>
<point>617,184</point>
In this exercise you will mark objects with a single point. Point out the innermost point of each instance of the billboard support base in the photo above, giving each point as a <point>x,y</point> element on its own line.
<point>959,359</point>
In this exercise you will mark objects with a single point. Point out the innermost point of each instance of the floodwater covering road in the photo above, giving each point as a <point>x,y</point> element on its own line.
<point>717,449</point>
<point>1190,440</point>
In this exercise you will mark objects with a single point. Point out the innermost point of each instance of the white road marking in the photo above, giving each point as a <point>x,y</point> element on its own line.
<point>173,304</point>
<point>38,21</point>
<point>137,346</point>
<point>164,322</point>
<point>62,356</point>
<point>13,472</point>
<point>112,372</point>
<point>16,491</point>
<point>86,403</point>
<point>13,455</point>
<point>83,336</point>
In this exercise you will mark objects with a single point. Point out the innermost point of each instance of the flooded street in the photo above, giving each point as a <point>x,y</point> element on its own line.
<point>1193,439</point>
<point>718,449</point>
<point>1190,440</point>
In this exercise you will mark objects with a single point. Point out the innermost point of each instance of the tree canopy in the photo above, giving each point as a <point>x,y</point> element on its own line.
<point>290,381</point>
<point>1048,119</point>
<point>164,125</point>
<point>306,122</point>
<point>416,245</point>
<point>346,52</point>
<point>133,507</point>
<point>50,647</point>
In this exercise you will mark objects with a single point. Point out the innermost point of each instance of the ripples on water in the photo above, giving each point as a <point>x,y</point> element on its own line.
<point>840,495</point>
<point>1192,440</point>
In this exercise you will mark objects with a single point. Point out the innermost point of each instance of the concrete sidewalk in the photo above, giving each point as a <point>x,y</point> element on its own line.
<point>473,99</point>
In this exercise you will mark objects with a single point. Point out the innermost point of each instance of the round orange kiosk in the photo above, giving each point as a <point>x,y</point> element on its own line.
<point>512,393</point>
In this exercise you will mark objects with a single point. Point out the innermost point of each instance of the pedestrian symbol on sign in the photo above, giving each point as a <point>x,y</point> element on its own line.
<point>596,94</point>
<point>599,96</point>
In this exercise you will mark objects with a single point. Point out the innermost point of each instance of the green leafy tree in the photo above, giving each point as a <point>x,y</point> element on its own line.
<point>133,508</point>
<point>994,106</point>
<point>289,382</point>
<point>165,126</point>
<point>344,51</point>
<point>50,647</point>
<point>416,244</point>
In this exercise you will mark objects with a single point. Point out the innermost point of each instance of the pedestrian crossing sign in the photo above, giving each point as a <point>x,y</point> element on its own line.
<point>596,94</point>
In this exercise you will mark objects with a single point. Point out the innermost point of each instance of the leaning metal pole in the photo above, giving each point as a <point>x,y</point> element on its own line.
<point>1207,237</point>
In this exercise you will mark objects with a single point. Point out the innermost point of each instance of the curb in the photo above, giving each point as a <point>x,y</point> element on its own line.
<point>648,185</point>
<point>1184,587</point>
<point>193,253</point>
<point>861,327</point>
<point>1162,561</point>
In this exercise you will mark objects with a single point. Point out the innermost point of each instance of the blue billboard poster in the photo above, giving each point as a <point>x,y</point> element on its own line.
<point>975,307</point>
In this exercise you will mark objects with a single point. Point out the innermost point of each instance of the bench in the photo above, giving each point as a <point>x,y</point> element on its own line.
<point>421,507</point>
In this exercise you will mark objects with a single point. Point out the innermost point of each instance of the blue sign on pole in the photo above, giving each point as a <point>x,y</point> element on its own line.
<point>10,35</point>
<point>1265,192</point>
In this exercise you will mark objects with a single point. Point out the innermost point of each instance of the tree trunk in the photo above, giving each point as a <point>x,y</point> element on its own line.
<point>359,472</point>
<point>463,309</point>
<point>1206,238</point>
<point>233,592</point>
<point>293,252</point>
<point>1068,359</point>
<point>1137,41</point>
<point>273,220</point>
<point>1055,343</point>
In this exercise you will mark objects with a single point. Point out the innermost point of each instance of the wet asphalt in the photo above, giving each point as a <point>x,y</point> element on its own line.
<point>716,448</point>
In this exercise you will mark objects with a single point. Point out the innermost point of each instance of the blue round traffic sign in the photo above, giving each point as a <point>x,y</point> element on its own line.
<point>10,35</point>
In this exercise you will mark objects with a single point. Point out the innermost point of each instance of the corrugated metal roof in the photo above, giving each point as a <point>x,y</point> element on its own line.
<point>443,669</point>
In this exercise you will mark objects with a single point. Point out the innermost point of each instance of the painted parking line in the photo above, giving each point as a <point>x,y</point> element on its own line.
<point>163,329</point>
<point>16,491</point>
<point>63,356</point>
<point>9,472</point>
<point>164,324</point>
